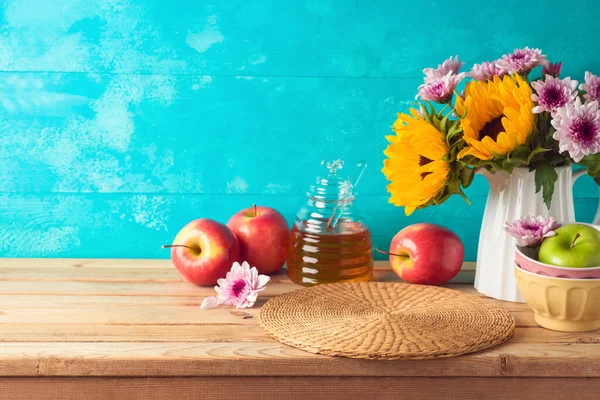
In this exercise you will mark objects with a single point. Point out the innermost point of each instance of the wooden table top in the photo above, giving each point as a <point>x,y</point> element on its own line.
<point>139,318</point>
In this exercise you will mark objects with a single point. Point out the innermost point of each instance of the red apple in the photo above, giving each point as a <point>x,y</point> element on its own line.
<point>204,251</point>
<point>264,237</point>
<point>426,254</point>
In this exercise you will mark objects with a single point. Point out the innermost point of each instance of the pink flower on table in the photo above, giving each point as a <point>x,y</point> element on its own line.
<point>239,288</point>
<point>591,87</point>
<point>578,129</point>
<point>441,89</point>
<point>553,93</point>
<point>451,65</point>
<point>552,69</point>
<point>486,71</point>
<point>521,61</point>
<point>531,231</point>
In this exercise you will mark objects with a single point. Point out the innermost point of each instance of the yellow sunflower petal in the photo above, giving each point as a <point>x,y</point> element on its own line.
<point>508,98</point>
<point>415,163</point>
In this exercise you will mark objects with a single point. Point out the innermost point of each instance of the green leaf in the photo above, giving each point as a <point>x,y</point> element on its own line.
<point>443,123</point>
<point>536,151</point>
<point>452,132</point>
<point>520,153</point>
<point>423,109</point>
<point>592,162</point>
<point>509,164</point>
<point>545,177</point>
<point>466,176</point>
<point>431,110</point>
<point>452,188</point>
<point>474,162</point>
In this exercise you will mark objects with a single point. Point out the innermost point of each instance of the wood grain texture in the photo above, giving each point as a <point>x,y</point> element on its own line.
<point>136,318</point>
<point>268,358</point>
<point>295,38</point>
<point>127,119</point>
<point>298,388</point>
<point>122,225</point>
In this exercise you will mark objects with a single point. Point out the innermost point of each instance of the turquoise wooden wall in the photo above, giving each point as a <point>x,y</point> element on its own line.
<point>121,120</point>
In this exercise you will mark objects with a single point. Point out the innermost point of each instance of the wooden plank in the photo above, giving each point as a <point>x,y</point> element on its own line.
<point>536,334</point>
<point>134,332</point>
<point>298,388</point>
<point>180,289</point>
<point>149,312</point>
<point>141,315</point>
<point>136,225</point>
<point>57,147</point>
<point>239,37</point>
<point>147,309</point>
<point>112,278</point>
<point>92,274</point>
<point>275,359</point>
<point>216,332</point>
<point>145,82</point>
<point>106,323</point>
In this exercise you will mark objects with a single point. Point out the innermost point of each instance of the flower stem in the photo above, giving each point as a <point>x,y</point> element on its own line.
<point>577,236</point>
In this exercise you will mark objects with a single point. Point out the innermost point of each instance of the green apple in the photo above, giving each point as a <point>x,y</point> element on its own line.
<point>574,246</point>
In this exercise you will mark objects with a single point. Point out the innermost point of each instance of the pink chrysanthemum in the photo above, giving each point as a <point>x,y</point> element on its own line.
<point>591,87</point>
<point>441,89</point>
<point>239,288</point>
<point>486,71</point>
<point>552,69</point>
<point>451,65</point>
<point>531,231</point>
<point>578,129</point>
<point>521,61</point>
<point>553,93</point>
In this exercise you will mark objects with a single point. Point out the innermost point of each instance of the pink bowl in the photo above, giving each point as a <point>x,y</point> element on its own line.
<point>526,262</point>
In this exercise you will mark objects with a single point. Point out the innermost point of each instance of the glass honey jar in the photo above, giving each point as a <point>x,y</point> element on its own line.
<point>330,241</point>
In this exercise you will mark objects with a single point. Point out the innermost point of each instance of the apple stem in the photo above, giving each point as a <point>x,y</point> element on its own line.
<point>389,254</point>
<point>166,246</point>
<point>255,213</point>
<point>577,235</point>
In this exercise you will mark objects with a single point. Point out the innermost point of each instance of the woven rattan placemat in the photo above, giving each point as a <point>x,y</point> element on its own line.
<point>393,321</point>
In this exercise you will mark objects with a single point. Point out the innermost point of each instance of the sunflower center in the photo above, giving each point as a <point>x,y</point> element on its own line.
<point>584,131</point>
<point>238,287</point>
<point>491,129</point>
<point>424,160</point>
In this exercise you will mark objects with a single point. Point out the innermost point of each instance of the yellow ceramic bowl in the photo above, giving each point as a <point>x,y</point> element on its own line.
<point>566,305</point>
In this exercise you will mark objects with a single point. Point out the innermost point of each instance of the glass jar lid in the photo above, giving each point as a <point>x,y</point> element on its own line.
<point>332,187</point>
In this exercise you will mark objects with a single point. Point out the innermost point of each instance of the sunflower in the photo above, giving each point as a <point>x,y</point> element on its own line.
<point>416,164</point>
<point>498,116</point>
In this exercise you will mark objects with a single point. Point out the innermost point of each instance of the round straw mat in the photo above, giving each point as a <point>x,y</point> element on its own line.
<point>391,321</point>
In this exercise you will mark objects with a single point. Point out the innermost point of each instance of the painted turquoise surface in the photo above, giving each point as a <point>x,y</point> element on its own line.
<point>121,120</point>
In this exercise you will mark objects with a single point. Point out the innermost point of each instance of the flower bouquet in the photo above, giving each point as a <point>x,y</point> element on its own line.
<point>520,128</point>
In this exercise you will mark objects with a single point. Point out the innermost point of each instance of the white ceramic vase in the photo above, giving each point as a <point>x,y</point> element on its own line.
<point>511,197</point>
<point>597,217</point>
